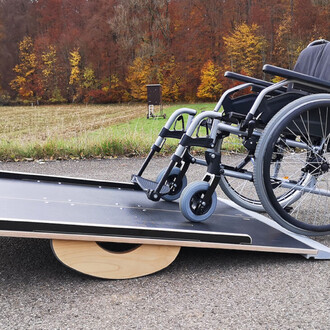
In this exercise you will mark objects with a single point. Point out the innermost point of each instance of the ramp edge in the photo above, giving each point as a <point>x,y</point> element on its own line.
<point>322,251</point>
<point>133,240</point>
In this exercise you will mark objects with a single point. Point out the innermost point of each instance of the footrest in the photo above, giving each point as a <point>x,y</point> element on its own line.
<point>147,185</point>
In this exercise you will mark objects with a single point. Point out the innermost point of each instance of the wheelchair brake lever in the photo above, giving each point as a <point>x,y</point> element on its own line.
<point>181,119</point>
<point>203,123</point>
<point>250,128</point>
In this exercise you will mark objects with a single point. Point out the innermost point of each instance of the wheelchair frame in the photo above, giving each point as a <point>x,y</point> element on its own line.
<point>220,126</point>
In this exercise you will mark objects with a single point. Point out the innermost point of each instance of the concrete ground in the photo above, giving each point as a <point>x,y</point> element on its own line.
<point>202,289</point>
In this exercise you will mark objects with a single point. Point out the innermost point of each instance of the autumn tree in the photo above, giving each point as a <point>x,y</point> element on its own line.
<point>210,87</point>
<point>118,90</point>
<point>245,48</point>
<point>88,83</point>
<point>18,21</point>
<point>2,32</point>
<point>111,34</point>
<point>27,82</point>
<point>75,76</point>
<point>51,75</point>
<point>1,38</point>
<point>287,47</point>
<point>4,96</point>
<point>323,8</point>
<point>192,41</point>
<point>139,75</point>
<point>141,26</point>
<point>169,78</point>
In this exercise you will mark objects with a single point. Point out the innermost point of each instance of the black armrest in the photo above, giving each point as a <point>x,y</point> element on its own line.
<point>247,79</point>
<point>299,77</point>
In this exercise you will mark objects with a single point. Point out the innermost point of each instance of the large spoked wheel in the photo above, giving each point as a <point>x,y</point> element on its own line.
<point>191,204</point>
<point>300,136</point>
<point>174,183</point>
<point>237,186</point>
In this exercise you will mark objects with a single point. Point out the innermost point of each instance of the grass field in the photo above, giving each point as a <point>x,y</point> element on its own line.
<point>78,131</point>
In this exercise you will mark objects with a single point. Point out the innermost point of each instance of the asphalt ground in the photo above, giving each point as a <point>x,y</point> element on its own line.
<point>201,289</point>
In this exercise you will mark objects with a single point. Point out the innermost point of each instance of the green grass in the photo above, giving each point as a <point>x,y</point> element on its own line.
<point>78,131</point>
<point>138,135</point>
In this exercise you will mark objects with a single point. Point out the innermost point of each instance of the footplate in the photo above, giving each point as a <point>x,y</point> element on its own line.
<point>148,185</point>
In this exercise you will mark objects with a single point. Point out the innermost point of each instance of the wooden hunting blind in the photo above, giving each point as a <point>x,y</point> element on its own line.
<point>154,98</point>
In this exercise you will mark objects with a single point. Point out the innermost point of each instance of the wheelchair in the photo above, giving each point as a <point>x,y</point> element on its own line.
<point>282,131</point>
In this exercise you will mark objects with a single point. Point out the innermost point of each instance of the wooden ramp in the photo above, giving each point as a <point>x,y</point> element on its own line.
<point>84,218</point>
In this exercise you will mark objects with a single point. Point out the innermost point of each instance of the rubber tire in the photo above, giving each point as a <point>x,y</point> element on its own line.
<point>175,171</point>
<point>261,150</point>
<point>188,193</point>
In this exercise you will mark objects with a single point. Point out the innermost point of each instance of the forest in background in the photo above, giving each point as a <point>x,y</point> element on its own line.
<point>107,51</point>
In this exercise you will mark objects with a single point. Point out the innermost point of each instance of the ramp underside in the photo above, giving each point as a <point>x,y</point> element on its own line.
<point>40,208</point>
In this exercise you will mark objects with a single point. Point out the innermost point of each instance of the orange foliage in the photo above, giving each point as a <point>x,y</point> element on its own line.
<point>210,87</point>
<point>126,44</point>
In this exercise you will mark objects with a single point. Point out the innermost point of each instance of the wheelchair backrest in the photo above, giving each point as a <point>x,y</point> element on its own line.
<point>315,60</point>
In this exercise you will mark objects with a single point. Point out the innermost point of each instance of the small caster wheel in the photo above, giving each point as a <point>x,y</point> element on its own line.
<point>191,204</point>
<point>176,187</point>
